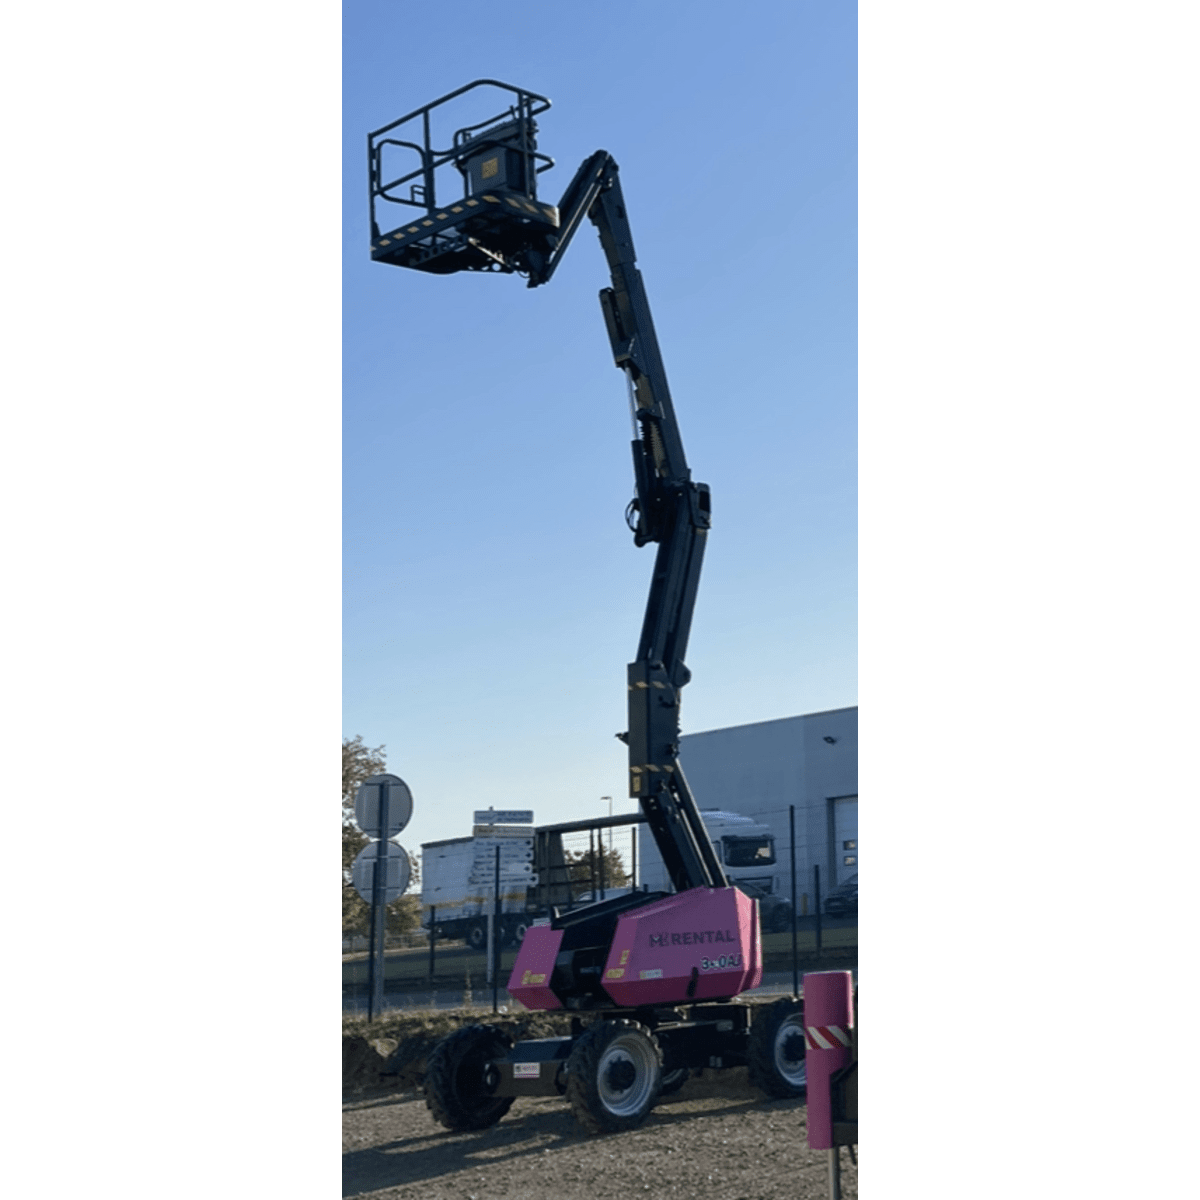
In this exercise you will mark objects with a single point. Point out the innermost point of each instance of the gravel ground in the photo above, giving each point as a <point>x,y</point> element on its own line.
<point>717,1138</point>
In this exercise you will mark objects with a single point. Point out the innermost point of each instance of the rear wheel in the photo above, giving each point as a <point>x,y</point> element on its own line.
<point>776,1054</point>
<point>613,1076</point>
<point>477,936</point>
<point>460,1079</point>
<point>514,933</point>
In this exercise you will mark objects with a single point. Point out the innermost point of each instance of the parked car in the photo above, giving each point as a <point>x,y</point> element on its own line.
<point>774,912</point>
<point>843,898</point>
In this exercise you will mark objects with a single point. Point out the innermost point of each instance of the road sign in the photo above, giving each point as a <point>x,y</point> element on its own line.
<point>399,872</point>
<point>504,816</point>
<point>482,873</point>
<point>508,847</point>
<point>367,805</point>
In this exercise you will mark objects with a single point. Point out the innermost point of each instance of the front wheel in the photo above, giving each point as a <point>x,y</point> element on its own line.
<point>477,936</point>
<point>460,1079</point>
<point>614,1076</point>
<point>776,1054</point>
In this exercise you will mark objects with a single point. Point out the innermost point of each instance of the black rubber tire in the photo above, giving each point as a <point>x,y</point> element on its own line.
<point>477,936</point>
<point>672,1081</point>
<point>613,1076</point>
<point>456,1085</point>
<point>776,1053</point>
<point>514,933</point>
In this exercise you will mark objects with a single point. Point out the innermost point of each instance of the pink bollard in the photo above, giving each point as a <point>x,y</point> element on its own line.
<point>828,1019</point>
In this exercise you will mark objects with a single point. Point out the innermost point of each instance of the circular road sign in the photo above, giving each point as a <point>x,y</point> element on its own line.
<point>367,803</point>
<point>398,872</point>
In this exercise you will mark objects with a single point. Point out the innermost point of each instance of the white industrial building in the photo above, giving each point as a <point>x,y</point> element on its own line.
<point>809,763</point>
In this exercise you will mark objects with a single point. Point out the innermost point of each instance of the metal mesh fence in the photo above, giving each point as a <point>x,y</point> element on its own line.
<point>597,864</point>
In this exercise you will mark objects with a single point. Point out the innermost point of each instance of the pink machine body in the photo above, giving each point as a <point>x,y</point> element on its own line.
<point>530,979</point>
<point>702,944</point>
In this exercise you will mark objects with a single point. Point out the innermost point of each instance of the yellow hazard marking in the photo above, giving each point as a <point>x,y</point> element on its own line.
<point>457,208</point>
<point>412,229</point>
<point>472,203</point>
<point>491,167</point>
<point>426,222</point>
<point>491,199</point>
<point>624,957</point>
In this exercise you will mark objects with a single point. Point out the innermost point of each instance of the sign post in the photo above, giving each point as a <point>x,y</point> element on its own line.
<point>382,808</point>
<point>375,964</point>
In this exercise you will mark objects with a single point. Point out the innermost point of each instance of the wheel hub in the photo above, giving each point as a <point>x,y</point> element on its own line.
<point>621,1075</point>
<point>793,1047</point>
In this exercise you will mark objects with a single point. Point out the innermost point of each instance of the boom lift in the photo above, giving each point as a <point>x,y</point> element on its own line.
<point>649,977</point>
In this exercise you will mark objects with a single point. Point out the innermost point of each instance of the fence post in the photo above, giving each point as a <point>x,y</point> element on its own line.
<point>432,938</point>
<point>817,900</point>
<point>496,941</point>
<point>795,951</point>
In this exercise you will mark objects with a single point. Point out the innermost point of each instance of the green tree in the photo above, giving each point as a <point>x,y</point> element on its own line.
<point>583,869</point>
<point>359,763</point>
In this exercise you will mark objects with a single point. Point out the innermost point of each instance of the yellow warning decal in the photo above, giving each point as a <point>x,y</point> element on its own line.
<point>491,166</point>
<point>624,957</point>
<point>614,973</point>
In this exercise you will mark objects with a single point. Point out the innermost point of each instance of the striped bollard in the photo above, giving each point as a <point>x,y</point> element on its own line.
<point>828,1019</point>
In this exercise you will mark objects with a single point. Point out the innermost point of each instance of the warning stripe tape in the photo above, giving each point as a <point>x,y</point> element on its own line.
<point>826,1037</point>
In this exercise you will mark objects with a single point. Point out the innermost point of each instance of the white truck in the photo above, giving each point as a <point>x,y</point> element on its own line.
<point>458,876</point>
<point>746,850</point>
<point>458,883</point>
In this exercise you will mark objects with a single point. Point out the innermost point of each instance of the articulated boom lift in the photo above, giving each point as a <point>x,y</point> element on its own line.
<point>655,973</point>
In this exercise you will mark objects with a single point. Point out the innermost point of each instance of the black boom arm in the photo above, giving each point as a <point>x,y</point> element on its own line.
<point>670,509</point>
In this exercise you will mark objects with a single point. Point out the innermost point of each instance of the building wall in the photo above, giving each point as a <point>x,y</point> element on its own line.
<point>760,770</point>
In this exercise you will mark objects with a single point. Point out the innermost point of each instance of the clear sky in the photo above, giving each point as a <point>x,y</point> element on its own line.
<point>492,593</point>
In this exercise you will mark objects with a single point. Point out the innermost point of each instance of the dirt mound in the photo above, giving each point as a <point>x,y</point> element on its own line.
<point>390,1054</point>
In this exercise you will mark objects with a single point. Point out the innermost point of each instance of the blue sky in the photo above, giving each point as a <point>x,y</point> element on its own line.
<point>492,594</point>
